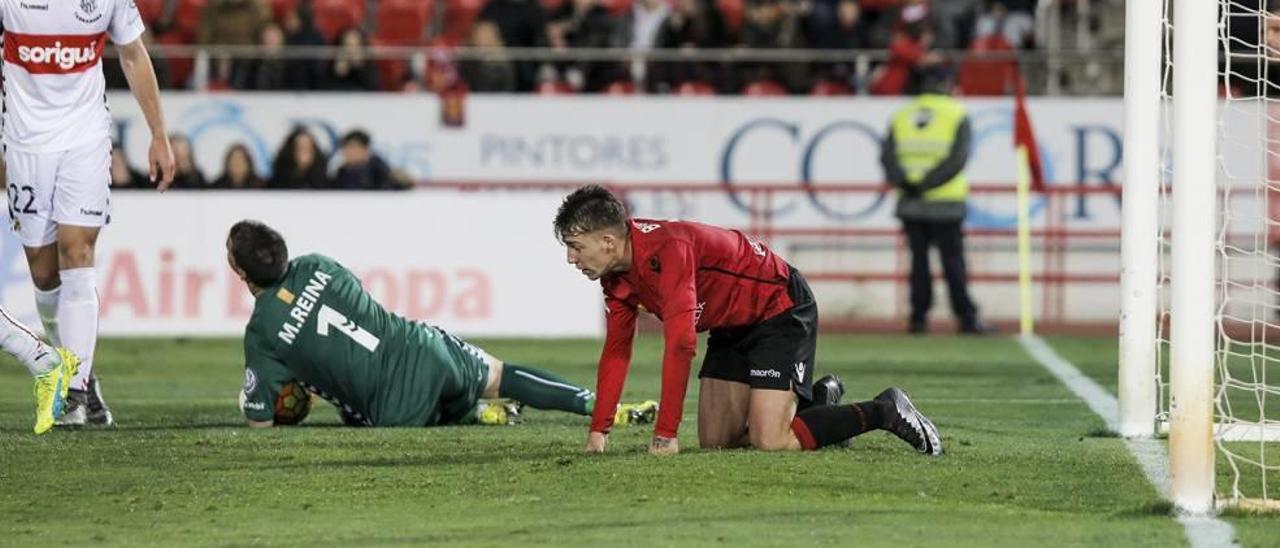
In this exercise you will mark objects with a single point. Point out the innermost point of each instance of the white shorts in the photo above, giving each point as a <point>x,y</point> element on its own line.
<point>72,187</point>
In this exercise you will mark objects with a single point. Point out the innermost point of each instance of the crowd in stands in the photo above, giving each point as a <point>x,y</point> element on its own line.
<point>912,32</point>
<point>300,163</point>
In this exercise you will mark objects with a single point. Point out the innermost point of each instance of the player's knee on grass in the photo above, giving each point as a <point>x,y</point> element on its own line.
<point>770,415</point>
<point>722,414</point>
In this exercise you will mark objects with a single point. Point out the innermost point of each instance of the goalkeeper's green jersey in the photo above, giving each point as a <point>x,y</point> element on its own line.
<point>319,327</point>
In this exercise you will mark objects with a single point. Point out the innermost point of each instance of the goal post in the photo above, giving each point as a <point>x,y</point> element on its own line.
<point>1199,348</point>
<point>1139,239</point>
<point>1193,253</point>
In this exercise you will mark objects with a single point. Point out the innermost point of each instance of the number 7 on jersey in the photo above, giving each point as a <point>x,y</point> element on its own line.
<point>330,317</point>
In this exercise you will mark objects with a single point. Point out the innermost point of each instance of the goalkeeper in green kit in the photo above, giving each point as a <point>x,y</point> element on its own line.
<point>313,323</point>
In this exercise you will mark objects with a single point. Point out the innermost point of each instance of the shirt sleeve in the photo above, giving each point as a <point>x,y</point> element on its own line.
<point>126,24</point>
<point>615,360</point>
<point>676,265</point>
<point>264,376</point>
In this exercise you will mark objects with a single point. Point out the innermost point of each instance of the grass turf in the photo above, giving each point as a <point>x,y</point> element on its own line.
<point>1026,464</point>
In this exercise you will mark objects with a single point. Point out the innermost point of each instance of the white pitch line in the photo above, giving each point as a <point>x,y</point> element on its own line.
<point>1201,531</point>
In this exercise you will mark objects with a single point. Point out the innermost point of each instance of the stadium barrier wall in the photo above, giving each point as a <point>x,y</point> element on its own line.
<point>477,265</point>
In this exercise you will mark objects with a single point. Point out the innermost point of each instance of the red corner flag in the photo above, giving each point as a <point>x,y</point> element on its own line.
<point>1023,135</point>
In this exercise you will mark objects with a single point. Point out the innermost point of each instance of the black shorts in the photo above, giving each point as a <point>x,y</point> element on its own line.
<point>776,354</point>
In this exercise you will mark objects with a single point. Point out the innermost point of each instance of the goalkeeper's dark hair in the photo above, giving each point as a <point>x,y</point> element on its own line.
<point>589,209</point>
<point>259,251</point>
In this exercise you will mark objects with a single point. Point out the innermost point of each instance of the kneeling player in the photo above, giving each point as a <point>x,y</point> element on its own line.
<point>762,320</point>
<point>313,322</point>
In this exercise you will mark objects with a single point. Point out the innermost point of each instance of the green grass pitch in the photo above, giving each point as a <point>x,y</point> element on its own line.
<point>1027,464</point>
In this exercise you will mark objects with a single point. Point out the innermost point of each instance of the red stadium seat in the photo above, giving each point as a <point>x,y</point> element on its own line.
<point>616,7</point>
<point>186,18</point>
<point>150,10</point>
<point>180,68</point>
<point>403,22</point>
<point>695,87</point>
<point>334,16</point>
<point>620,87</point>
<point>764,88</point>
<point>830,88</point>
<point>458,17</point>
<point>731,10</point>
<point>281,7</point>
<point>979,75</point>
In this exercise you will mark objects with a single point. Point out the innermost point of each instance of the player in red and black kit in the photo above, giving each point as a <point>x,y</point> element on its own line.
<point>755,379</point>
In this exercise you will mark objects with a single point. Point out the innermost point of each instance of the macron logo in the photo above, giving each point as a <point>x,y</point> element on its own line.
<point>646,228</point>
<point>771,373</point>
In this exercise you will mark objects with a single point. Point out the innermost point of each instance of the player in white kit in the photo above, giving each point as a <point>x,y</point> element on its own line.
<point>57,153</point>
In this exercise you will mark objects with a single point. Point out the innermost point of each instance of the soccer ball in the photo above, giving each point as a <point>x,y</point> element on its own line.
<point>293,404</point>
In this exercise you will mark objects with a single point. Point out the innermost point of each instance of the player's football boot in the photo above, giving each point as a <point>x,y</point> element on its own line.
<point>636,413</point>
<point>77,413</point>
<point>828,390</point>
<point>51,390</point>
<point>903,419</point>
<point>96,411</point>
<point>500,413</point>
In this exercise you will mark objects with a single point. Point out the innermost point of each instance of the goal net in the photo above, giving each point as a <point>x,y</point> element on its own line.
<point>1243,462</point>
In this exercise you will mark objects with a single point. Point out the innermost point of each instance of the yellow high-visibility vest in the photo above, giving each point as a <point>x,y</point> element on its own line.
<point>924,132</point>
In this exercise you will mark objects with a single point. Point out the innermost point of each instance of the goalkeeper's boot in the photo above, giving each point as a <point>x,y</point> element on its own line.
<point>51,390</point>
<point>499,413</point>
<point>903,419</point>
<point>96,411</point>
<point>636,413</point>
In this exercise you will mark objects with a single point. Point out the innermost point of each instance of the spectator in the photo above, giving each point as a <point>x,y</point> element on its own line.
<point>361,168</point>
<point>846,29</point>
<point>1017,27</point>
<point>299,163</point>
<point>122,175</point>
<point>911,59</point>
<point>230,23</point>
<point>842,28</point>
<point>237,170</point>
<point>187,175</point>
<point>351,69</point>
<point>774,24</point>
<point>493,72</point>
<point>267,71</point>
<point>638,32</point>
<point>692,24</point>
<point>583,24</point>
<point>300,30</point>
<point>522,24</point>
<point>954,21</point>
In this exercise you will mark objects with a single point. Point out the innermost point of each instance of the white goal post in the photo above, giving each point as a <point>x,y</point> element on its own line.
<point>1200,304</point>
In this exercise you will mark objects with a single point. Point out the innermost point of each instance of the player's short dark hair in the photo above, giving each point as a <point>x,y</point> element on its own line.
<point>589,209</point>
<point>259,251</point>
<point>357,136</point>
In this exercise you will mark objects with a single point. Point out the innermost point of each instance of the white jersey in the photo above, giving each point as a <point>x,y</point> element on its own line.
<point>54,92</point>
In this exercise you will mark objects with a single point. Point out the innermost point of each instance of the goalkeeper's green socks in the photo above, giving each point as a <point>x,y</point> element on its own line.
<point>543,390</point>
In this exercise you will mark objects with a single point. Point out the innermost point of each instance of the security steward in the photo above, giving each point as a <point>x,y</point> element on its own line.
<point>924,156</point>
